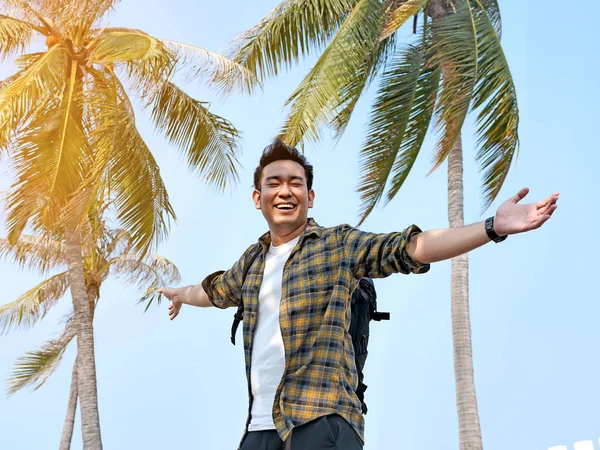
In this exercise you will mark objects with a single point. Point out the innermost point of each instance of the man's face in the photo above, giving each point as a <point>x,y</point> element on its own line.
<point>284,197</point>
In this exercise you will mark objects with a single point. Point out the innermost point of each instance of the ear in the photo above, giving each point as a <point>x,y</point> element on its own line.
<point>311,198</point>
<point>256,198</point>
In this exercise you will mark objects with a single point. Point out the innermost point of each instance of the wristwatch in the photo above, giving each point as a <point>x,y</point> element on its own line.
<point>489,229</point>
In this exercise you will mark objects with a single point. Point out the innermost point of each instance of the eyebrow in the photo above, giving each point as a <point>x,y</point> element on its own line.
<point>278,177</point>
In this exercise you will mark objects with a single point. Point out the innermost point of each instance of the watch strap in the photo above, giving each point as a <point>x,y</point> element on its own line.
<point>489,229</point>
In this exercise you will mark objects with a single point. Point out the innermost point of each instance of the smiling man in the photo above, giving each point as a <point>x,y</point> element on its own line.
<point>296,295</point>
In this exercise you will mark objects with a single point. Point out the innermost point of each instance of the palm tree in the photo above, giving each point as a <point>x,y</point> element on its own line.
<point>106,252</point>
<point>455,64</point>
<point>68,127</point>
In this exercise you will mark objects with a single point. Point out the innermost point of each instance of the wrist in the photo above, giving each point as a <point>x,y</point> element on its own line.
<point>490,229</point>
<point>498,224</point>
<point>184,294</point>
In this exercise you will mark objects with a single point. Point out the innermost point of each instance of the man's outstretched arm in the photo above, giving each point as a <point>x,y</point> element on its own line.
<point>189,295</point>
<point>511,218</point>
<point>221,289</point>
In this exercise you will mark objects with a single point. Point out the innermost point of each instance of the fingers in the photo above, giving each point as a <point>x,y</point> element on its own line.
<point>520,195</point>
<point>552,197</point>
<point>550,211</point>
<point>543,219</point>
<point>173,312</point>
<point>543,203</point>
<point>544,206</point>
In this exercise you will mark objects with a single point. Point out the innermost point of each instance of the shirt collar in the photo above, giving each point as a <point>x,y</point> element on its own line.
<point>312,228</point>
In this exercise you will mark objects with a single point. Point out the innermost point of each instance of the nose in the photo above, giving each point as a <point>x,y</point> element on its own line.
<point>285,191</point>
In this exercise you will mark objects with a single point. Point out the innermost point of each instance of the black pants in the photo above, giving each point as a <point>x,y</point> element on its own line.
<point>329,432</point>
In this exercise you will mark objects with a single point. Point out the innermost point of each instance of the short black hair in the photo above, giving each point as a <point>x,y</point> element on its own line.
<point>278,151</point>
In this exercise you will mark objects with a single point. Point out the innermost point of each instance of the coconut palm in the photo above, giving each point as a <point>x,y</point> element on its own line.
<point>68,126</point>
<point>106,252</point>
<point>455,64</point>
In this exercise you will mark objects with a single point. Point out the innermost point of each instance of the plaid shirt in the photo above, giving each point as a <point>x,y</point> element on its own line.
<point>320,375</point>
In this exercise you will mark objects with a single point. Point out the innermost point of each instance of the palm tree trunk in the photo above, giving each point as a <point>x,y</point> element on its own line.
<point>86,365</point>
<point>466,400</point>
<point>67,434</point>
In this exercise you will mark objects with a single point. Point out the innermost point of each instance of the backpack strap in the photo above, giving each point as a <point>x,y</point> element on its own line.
<point>360,393</point>
<point>376,315</point>
<point>239,315</point>
<point>237,318</point>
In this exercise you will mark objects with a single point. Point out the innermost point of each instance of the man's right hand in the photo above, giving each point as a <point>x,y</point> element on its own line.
<point>175,296</point>
<point>190,295</point>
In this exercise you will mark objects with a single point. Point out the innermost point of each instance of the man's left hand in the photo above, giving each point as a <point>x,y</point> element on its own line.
<point>513,218</point>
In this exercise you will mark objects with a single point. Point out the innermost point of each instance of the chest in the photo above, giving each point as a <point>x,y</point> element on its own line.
<point>309,287</point>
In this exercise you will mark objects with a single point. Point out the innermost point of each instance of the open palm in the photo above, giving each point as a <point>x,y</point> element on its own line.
<point>513,218</point>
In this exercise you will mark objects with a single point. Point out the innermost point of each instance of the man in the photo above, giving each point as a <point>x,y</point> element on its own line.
<point>299,357</point>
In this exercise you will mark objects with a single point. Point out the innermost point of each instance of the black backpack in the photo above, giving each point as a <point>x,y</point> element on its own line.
<point>363,310</point>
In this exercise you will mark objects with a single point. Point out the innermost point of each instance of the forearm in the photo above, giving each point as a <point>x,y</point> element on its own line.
<point>195,296</point>
<point>438,245</point>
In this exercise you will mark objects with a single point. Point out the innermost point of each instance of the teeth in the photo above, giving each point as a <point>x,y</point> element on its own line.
<point>285,206</point>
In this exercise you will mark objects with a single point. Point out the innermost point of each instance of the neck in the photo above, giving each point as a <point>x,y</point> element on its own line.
<point>280,237</point>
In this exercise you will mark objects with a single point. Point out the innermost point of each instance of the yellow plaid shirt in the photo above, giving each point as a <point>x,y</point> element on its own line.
<point>320,376</point>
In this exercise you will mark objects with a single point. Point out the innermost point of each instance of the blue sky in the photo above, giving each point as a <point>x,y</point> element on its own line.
<point>534,298</point>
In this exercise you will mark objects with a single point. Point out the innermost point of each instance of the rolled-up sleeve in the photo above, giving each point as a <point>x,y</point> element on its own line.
<point>224,288</point>
<point>380,255</point>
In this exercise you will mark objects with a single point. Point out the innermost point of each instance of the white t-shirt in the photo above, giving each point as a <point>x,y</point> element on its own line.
<point>268,354</point>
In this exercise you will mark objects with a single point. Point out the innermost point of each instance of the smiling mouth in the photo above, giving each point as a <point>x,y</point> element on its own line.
<point>285,207</point>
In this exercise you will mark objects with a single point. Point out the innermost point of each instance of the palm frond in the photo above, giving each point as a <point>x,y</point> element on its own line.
<point>130,172</point>
<point>117,45</point>
<point>7,81</point>
<point>148,274</point>
<point>288,33</point>
<point>493,11</point>
<point>350,93</point>
<point>63,17</point>
<point>217,70</point>
<point>100,107</point>
<point>118,242</point>
<point>26,94</point>
<point>398,16</point>
<point>399,121</point>
<point>314,101</point>
<point>103,6</point>
<point>50,164</point>
<point>35,367</point>
<point>57,17</point>
<point>27,11</point>
<point>368,71</point>
<point>147,73</point>
<point>15,36</point>
<point>455,52</point>
<point>33,305</point>
<point>34,252</point>
<point>82,15</point>
<point>498,117</point>
<point>209,142</point>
